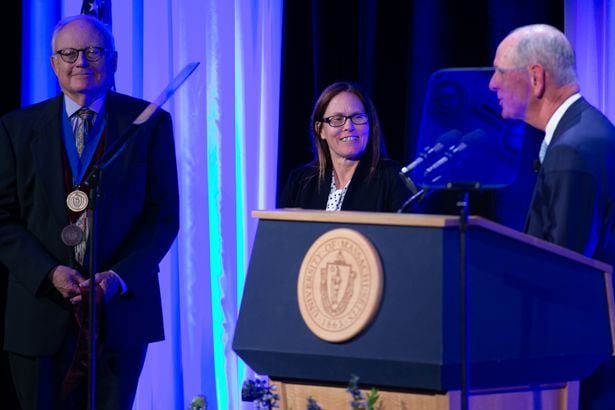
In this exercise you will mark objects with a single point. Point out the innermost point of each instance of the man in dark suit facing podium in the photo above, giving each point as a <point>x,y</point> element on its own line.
<point>573,204</point>
<point>45,152</point>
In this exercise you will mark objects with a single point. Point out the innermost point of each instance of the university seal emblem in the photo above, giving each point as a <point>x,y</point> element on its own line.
<point>340,285</point>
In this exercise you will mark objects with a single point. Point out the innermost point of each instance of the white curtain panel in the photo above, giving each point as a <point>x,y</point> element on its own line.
<point>590,26</point>
<point>226,125</point>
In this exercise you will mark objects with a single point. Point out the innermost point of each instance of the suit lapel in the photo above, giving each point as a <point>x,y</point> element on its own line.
<point>48,153</point>
<point>119,117</point>
<point>358,185</point>
<point>571,116</point>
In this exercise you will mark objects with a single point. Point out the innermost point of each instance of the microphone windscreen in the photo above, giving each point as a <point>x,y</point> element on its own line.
<point>449,138</point>
<point>478,136</point>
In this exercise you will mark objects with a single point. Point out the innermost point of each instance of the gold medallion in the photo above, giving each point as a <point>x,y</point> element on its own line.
<point>77,201</point>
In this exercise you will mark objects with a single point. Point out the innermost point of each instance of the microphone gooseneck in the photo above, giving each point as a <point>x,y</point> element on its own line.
<point>444,141</point>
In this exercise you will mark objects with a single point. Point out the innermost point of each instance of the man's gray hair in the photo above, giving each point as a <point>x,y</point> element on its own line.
<point>108,35</point>
<point>545,45</point>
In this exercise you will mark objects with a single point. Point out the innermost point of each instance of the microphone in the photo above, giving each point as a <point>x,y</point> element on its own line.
<point>444,141</point>
<point>477,136</point>
<point>409,182</point>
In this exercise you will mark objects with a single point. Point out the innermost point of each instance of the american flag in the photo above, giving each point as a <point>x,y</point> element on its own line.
<point>101,9</point>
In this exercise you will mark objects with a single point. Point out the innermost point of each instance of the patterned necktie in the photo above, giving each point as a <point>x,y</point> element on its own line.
<point>84,125</point>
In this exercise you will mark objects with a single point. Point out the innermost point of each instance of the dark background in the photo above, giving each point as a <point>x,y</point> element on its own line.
<point>390,48</point>
<point>10,30</point>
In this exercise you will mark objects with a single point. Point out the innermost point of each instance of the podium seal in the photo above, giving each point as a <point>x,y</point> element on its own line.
<point>340,285</point>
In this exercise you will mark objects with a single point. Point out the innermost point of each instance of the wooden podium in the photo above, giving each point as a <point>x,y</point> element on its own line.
<point>541,317</point>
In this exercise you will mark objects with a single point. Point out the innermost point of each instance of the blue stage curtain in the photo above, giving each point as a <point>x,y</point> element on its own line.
<point>590,26</point>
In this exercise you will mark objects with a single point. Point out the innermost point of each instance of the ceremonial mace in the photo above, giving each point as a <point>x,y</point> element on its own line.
<point>73,235</point>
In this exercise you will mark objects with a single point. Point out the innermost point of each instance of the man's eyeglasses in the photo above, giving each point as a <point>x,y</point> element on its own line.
<point>70,55</point>
<point>340,120</point>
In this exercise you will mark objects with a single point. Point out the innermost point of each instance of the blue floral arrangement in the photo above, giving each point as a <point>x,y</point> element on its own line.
<point>198,403</point>
<point>265,397</point>
<point>260,392</point>
<point>359,402</point>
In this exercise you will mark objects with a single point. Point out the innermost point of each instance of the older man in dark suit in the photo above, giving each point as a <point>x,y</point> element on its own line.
<point>573,204</point>
<point>46,151</point>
